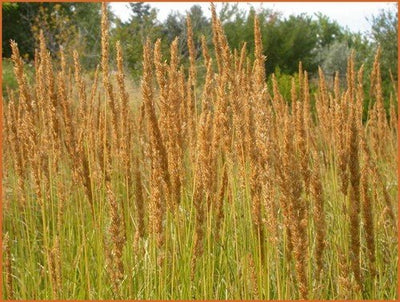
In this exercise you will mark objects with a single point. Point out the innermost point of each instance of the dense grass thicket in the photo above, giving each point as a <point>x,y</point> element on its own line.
<point>220,188</point>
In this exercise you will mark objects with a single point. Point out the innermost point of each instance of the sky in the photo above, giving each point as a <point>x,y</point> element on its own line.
<point>348,14</point>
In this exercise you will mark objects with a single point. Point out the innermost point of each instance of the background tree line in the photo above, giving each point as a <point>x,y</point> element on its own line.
<point>314,40</point>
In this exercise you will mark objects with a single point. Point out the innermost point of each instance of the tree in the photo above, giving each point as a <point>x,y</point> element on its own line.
<point>87,19</point>
<point>142,24</point>
<point>200,26</point>
<point>140,10</point>
<point>175,26</point>
<point>328,31</point>
<point>17,19</point>
<point>384,29</point>
<point>285,41</point>
<point>335,58</point>
<point>56,25</point>
<point>72,26</point>
<point>299,43</point>
<point>239,28</point>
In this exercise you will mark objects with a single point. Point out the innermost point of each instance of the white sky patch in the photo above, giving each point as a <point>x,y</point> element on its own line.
<point>352,15</point>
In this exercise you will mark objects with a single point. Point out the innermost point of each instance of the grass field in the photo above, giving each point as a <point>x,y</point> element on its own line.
<point>189,189</point>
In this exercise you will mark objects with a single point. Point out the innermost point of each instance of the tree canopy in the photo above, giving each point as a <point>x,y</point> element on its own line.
<point>314,40</point>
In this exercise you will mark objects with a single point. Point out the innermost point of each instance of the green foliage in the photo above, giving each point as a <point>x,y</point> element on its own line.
<point>86,18</point>
<point>284,82</point>
<point>328,31</point>
<point>335,58</point>
<point>298,43</point>
<point>71,26</point>
<point>16,26</point>
<point>384,32</point>
<point>285,41</point>
<point>140,11</point>
<point>315,40</point>
<point>143,24</point>
<point>8,77</point>
<point>175,26</point>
